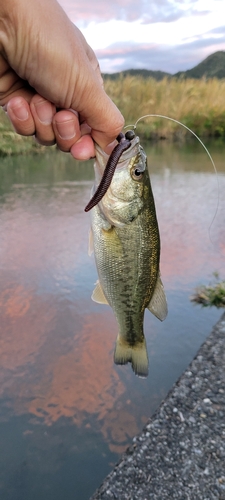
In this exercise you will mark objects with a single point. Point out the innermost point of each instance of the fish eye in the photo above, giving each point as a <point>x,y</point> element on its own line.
<point>136,174</point>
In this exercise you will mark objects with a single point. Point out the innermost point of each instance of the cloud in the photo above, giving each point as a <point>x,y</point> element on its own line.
<point>171,59</point>
<point>166,35</point>
<point>210,36</point>
<point>220,30</point>
<point>85,11</point>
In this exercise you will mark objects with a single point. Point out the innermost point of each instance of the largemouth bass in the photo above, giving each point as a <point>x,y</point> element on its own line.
<point>126,243</point>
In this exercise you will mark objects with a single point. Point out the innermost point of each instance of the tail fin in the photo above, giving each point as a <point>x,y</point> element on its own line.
<point>136,355</point>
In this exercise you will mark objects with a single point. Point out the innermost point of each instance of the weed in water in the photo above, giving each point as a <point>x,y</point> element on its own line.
<point>211,295</point>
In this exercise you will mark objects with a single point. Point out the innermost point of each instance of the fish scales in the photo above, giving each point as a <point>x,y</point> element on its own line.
<point>127,252</point>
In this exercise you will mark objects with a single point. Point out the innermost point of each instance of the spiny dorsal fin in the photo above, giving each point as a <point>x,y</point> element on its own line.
<point>158,303</point>
<point>98,294</point>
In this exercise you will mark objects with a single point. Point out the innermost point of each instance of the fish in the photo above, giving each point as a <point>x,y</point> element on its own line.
<point>125,240</point>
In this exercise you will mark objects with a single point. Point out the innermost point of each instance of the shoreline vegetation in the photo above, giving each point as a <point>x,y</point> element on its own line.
<point>198,104</point>
<point>212,294</point>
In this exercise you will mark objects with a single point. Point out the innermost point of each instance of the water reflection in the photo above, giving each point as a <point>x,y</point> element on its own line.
<point>57,377</point>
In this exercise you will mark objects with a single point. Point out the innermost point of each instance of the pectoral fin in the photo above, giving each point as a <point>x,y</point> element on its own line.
<point>98,294</point>
<point>158,303</point>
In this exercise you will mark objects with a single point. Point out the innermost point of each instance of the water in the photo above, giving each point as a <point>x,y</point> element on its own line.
<point>66,411</point>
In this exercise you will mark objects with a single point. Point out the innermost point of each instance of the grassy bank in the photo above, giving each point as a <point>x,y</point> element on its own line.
<point>198,104</point>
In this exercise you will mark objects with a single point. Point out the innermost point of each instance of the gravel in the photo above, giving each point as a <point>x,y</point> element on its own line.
<point>180,453</point>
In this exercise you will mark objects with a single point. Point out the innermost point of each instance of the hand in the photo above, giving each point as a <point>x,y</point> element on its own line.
<point>50,82</point>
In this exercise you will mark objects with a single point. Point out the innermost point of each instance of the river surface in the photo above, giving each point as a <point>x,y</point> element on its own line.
<point>66,411</point>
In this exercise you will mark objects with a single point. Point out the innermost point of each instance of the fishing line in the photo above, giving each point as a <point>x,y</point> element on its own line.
<point>205,148</point>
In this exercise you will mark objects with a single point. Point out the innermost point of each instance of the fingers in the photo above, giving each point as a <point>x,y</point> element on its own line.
<point>34,118</point>
<point>61,127</point>
<point>84,148</point>
<point>43,112</point>
<point>66,128</point>
<point>19,113</point>
<point>39,118</point>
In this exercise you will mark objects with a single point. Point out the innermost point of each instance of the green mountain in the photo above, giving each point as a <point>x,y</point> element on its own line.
<point>211,67</point>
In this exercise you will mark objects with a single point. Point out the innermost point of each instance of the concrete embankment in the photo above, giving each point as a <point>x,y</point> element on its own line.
<point>180,453</point>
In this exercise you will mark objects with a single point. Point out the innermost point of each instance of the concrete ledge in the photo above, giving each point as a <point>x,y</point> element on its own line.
<point>181,452</point>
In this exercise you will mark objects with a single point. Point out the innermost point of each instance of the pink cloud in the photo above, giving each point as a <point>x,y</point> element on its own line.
<point>101,11</point>
<point>86,11</point>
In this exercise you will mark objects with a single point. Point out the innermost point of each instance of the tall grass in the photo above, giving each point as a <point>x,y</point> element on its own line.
<point>199,104</point>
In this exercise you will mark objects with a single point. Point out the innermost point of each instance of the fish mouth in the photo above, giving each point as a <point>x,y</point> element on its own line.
<point>125,143</point>
<point>127,155</point>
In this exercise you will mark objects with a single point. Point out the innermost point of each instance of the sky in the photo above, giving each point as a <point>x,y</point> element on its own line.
<point>166,35</point>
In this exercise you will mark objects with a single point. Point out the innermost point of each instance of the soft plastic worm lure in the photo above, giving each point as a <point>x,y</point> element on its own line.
<point>124,143</point>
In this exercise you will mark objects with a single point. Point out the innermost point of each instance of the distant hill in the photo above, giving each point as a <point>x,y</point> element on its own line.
<point>211,67</point>
<point>145,73</point>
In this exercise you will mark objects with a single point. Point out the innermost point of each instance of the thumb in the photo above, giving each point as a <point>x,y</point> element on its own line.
<point>102,115</point>
<point>90,99</point>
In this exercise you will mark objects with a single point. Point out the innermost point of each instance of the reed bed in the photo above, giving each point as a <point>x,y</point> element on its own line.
<point>198,104</point>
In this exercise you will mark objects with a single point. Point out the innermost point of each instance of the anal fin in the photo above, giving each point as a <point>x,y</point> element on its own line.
<point>98,294</point>
<point>158,302</point>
